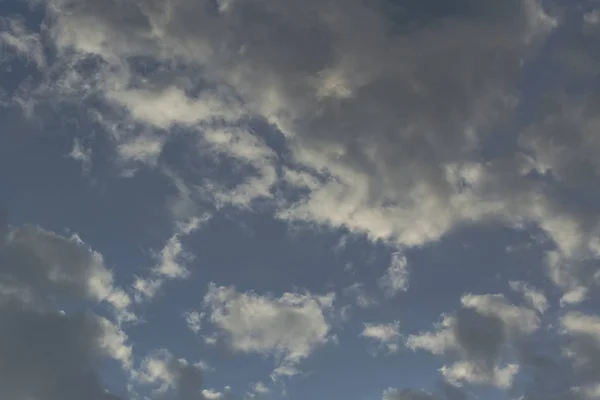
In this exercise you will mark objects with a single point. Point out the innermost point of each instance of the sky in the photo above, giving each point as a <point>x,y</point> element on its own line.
<point>317,199</point>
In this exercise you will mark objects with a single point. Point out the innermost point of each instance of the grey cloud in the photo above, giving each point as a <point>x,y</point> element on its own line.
<point>48,265</point>
<point>166,372</point>
<point>445,392</point>
<point>406,394</point>
<point>480,336</point>
<point>360,96</point>
<point>389,114</point>
<point>48,354</point>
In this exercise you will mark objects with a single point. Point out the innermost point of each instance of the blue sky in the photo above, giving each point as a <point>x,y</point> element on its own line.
<point>273,199</point>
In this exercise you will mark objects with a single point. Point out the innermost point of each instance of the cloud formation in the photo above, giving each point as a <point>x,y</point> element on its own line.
<point>289,327</point>
<point>388,335</point>
<point>48,353</point>
<point>478,337</point>
<point>398,122</point>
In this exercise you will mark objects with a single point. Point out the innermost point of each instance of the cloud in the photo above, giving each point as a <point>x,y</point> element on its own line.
<point>210,394</point>
<point>47,353</point>
<point>162,370</point>
<point>395,279</point>
<point>517,320</point>
<point>479,335</point>
<point>27,44</point>
<point>258,390</point>
<point>383,121</point>
<point>362,299</point>
<point>170,262</point>
<point>172,106</point>
<point>534,297</point>
<point>194,320</point>
<point>388,335</point>
<point>289,327</point>
<point>465,371</point>
<point>574,296</point>
<point>82,154</point>
<point>382,125</point>
<point>583,350</point>
<point>53,356</point>
<point>406,394</point>
<point>37,261</point>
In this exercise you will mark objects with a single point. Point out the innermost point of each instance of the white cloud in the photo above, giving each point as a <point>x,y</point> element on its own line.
<point>289,327</point>
<point>534,297</point>
<point>210,394</point>
<point>260,388</point>
<point>388,335</point>
<point>464,371</point>
<point>395,279</point>
<point>171,261</point>
<point>114,343</point>
<point>575,323</point>
<point>437,342</point>
<point>173,106</point>
<point>165,372</point>
<point>194,320</point>
<point>518,320</point>
<point>141,148</point>
<point>574,296</point>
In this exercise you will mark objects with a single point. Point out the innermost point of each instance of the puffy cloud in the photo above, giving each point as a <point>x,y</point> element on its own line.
<point>386,119</point>
<point>388,335</point>
<point>290,327</point>
<point>436,342</point>
<point>41,262</point>
<point>385,123</point>
<point>519,320</point>
<point>47,353</point>
<point>163,370</point>
<point>479,335</point>
<point>574,296</point>
<point>333,88</point>
<point>465,371</point>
